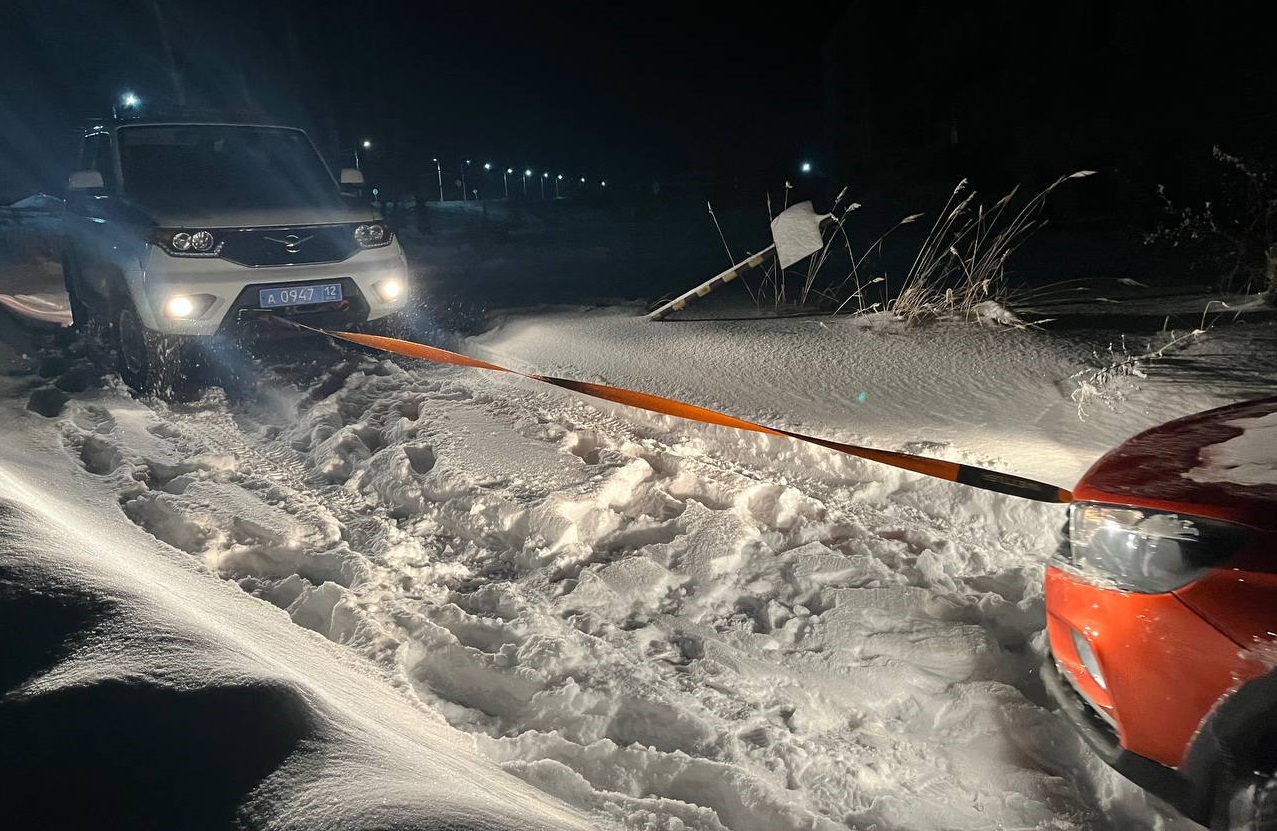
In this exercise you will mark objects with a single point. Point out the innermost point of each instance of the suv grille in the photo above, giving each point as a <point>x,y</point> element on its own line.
<point>303,245</point>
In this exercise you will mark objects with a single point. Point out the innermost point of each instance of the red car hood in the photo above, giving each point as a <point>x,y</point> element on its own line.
<point>1151,470</point>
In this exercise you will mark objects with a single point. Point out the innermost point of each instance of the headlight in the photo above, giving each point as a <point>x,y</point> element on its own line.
<point>1146,551</point>
<point>178,243</point>
<point>372,235</point>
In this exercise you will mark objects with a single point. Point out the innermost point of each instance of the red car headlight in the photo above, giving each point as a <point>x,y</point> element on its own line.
<point>1145,551</point>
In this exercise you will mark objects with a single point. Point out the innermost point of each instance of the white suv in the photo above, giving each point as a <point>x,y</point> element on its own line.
<point>179,231</point>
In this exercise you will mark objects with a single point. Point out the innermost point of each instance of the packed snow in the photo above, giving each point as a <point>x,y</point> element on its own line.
<point>541,608</point>
<point>140,691</point>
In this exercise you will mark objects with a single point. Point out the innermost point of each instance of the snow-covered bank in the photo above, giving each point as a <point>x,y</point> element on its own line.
<point>141,691</point>
<point>996,396</point>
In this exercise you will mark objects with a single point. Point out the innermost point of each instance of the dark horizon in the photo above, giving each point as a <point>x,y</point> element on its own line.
<point>558,86</point>
<point>894,97</point>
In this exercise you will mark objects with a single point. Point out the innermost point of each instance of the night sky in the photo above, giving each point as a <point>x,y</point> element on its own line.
<point>895,91</point>
<point>600,89</point>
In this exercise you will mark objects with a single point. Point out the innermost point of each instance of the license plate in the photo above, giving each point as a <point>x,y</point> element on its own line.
<point>273,298</point>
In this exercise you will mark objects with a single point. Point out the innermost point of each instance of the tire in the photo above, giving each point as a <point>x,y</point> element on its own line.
<point>152,363</point>
<point>1247,802</point>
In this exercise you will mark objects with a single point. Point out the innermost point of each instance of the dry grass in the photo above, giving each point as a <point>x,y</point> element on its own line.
<point>1119,372</point>
<point>958,272</point>
<point>961,265</point>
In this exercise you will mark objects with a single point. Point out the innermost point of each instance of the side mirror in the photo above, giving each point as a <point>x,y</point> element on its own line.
<point>85,180</point>
<point>351,176</point>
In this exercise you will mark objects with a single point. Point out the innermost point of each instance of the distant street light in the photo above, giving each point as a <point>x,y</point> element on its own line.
<point>526,174</point>
<point>504,183</point>
<point>128,101</point>
<point>556,185</point>
<point>544,176</point>
<point>603,184</point>
<point>806,168</point>
<point>463,179</point>
<point>367,145</point>
<point>487,165</point>
<point>439,173</point>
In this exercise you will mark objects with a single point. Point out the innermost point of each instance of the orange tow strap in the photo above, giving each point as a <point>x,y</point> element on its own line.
<point>951,471</point>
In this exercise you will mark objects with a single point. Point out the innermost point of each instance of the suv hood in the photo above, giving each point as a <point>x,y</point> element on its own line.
<point>258,217</point>
<point>1197,465</point>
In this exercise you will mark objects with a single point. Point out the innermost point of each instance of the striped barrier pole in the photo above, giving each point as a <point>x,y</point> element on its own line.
<point>680,302</point>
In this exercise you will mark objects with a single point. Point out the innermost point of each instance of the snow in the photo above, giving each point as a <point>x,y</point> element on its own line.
<point>114,645</point>
<point>470,597</point>
<point>39,202</point>
<point>1247,459</point>
<point>993,393</point>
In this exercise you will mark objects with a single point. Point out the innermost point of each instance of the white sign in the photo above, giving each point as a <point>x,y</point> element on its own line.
<point>797,233</point>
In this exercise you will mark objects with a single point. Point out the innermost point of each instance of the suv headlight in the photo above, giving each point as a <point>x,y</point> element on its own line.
<point>1145,551</point>
<point>372,234</point>
<point>180,242</point>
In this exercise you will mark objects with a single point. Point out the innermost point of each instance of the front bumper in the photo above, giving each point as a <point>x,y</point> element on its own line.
<point>234,289</point>
<point>1159,780</point>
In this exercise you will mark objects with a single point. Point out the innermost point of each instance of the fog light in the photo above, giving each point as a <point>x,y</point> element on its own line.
<point>390,290</point>
<point>179,306</point>
<point>1087,656</point>
<point>187,306</point>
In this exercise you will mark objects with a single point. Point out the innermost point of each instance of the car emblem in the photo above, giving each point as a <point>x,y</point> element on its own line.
<point>292,243</point>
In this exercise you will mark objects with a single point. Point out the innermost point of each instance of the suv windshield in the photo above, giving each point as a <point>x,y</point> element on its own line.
<point>223,166</point>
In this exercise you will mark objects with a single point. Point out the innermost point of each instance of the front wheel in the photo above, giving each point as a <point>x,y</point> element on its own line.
<point>1249,804</point>
<point>152,363</point>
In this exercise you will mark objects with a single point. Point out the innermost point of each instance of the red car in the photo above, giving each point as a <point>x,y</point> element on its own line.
<point>1162,614</point>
